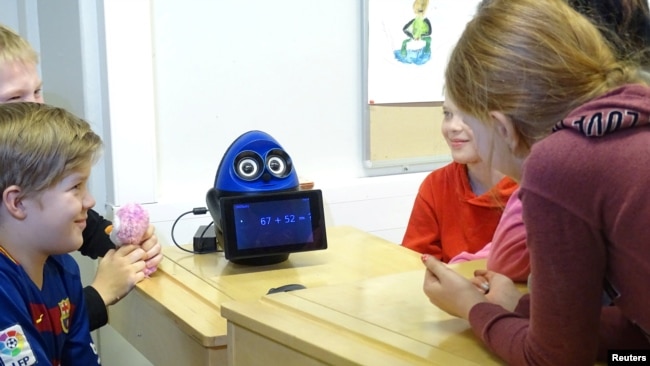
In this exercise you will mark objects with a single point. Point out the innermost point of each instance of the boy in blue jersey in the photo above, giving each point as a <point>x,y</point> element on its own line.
<point>120,269</point>
<point>46,154</point>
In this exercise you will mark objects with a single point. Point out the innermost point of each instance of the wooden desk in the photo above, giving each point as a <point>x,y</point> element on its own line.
<point>173,318</point>
<point>380,321</point>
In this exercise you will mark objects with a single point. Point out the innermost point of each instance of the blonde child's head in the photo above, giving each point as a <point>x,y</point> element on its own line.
<point>15,48</point>
<point>41,144</point>
<point>19,78</point>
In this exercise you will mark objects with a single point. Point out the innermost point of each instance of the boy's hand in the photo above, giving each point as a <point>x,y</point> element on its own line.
<point>152,248</point>
<point>118,272</point>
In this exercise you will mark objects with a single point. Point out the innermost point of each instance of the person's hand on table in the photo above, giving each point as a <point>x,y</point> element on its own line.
<point>498,289</point>
<point>448,290</point>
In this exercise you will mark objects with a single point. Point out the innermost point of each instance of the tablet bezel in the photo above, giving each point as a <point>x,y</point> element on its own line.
<point>230,244</point>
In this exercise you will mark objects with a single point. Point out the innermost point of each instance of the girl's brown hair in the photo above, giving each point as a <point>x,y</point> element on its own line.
<point>534,61</point>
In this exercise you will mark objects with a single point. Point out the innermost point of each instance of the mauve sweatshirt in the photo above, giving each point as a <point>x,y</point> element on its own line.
<point>586,206</point>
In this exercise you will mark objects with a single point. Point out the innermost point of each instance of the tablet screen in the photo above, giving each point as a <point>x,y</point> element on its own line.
<point>273,223</point>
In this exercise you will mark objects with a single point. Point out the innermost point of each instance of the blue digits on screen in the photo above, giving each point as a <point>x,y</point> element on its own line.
<point>288,219</point>
<point>273,223</point>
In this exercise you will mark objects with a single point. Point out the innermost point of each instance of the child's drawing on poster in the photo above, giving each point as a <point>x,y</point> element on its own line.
<point>409,43</point>
<point>416,49</point>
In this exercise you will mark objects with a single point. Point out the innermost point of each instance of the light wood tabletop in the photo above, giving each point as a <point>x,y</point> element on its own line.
<point>174,317</point>
<point>383,320</point>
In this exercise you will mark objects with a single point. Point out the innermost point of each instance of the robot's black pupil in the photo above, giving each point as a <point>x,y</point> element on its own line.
<point>248,168</point>
<point>275,165</point>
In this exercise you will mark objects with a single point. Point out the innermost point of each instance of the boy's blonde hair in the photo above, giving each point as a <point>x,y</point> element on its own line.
<point>41,144</point>
<point>534,61</point>
<point>13,47</point>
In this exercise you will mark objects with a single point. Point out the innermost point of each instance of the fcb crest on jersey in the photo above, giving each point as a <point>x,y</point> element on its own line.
<point>64,310</point>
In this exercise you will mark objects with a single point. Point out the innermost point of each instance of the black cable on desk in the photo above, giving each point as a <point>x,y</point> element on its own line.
<point>195,211</point>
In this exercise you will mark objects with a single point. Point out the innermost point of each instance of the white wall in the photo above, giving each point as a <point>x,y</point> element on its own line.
<point>220,68</point>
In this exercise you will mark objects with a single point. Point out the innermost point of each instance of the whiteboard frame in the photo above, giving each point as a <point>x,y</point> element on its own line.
<point>390,166</point>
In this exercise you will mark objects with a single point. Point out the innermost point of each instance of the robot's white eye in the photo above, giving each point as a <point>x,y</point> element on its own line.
<point>248,166</point>
<point>278,163</point>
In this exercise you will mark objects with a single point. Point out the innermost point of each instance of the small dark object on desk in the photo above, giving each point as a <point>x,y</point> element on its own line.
<point>285,288</point>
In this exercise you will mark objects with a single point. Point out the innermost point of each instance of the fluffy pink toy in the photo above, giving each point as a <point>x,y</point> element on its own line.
<point>130,223</point>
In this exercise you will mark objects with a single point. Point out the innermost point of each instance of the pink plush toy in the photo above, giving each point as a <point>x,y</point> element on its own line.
<point>130,223</point>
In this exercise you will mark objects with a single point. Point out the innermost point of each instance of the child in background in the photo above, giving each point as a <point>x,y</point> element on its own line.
<point>553,106</point>
<point>120,269</point>
<point>457,207</point>
<point>45,158</point>
<point>624,23</point>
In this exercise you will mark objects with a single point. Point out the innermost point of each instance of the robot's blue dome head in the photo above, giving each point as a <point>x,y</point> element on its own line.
<point>255,163</point>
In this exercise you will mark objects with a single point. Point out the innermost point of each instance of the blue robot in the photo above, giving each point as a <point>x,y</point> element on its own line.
<point>260,213</point>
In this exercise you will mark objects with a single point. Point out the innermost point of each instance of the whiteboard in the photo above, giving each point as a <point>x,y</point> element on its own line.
<point>402,102</point>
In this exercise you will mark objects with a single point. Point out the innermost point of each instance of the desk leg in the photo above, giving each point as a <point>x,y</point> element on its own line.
<point>157,337</point>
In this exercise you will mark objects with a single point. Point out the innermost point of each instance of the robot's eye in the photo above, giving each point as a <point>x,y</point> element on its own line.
<point>248,166</point>
<point>278,163</point>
